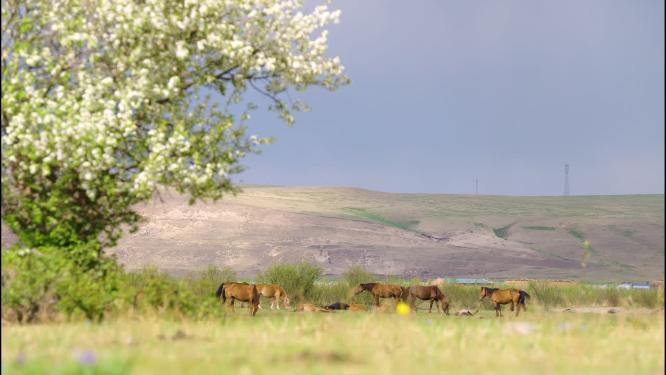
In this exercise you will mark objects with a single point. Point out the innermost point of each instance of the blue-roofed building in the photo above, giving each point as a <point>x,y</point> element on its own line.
<point>635,285</point>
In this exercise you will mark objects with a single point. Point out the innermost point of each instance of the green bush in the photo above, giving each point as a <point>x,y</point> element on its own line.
<point>204,283</point>
<point>77,281</point>
<point>464,297</point>
<point>355,275</point>
<point>297,279</point>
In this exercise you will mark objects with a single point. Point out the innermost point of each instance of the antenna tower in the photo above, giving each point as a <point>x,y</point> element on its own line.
<point>566,179</point>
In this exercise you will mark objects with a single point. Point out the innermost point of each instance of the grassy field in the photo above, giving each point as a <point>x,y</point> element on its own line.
<point>344,342</point>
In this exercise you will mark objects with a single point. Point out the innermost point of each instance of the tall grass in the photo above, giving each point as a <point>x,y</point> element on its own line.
<point>297,279</point>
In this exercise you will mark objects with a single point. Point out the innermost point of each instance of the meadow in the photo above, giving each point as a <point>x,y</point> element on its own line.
<point>343,343</point>
<point>177,326</point>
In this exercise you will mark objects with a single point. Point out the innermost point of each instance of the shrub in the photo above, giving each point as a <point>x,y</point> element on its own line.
<point>463,296</point>
<point>78,281</point>
<point>355,275</point>
<point>297,279</point>
<point>204,284</point>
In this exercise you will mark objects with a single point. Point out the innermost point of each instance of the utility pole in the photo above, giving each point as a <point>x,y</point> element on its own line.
<point>566,179</point>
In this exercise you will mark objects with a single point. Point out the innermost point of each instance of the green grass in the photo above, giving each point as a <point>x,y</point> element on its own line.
<point>370,216</point>
<point>345,343</point>
<point>538,228</point>
<point>503,232</point>
<point>577,234</point>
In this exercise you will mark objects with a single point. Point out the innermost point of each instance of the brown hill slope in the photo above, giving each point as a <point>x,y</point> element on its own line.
<point>422,235</point>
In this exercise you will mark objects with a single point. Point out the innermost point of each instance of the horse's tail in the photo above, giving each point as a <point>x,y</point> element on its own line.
<point>220,290</point>
<point>255,295</point>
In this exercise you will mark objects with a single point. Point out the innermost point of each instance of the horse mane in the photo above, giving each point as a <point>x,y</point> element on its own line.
<point>488,290</point>
<point>368,286</point>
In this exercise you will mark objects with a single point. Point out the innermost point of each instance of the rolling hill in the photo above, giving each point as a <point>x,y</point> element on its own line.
<point>424,235</point>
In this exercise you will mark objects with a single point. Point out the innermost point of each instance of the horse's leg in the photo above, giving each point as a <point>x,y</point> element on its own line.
<point>376,300</point>
<point>517,309</point>
<point>430,310</point>
<point>231,302</point>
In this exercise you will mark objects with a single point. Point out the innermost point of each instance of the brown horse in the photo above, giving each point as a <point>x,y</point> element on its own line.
<point>357,307</point>
<point>239,291</point>
<point>309,307</point>
<point>276,293</point>
<point>337,306</point>
<point>428,293</point>
<point>383,291</point>
<point>501,297</point>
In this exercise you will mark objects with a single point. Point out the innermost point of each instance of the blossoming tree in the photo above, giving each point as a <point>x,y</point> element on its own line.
<point>105,100</point>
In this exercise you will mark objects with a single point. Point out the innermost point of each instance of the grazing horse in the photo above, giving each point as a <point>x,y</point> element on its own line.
<point>428,293</point>
<point>239,291</point>
<point>276,293</point>
<point>309,307</point>
<point>337,306</point>
<point>501,297</point>
<point>383,291</point>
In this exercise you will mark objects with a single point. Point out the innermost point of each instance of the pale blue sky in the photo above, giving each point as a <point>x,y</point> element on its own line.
<point>444,92</point>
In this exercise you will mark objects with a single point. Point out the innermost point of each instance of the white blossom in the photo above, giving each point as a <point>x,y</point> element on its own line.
<point>121,94</point>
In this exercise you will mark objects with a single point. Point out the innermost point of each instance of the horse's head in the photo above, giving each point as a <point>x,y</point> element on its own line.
<point>286,300</point>
<point>360,288</point>
<point>484,292</point>
<point>404,293</point>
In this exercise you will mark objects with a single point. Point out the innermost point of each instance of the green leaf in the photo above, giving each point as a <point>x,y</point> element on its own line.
<point>20,46</point>
<point>25,26</point>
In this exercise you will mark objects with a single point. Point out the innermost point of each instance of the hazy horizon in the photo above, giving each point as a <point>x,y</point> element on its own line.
<point>297,186</point>
<point>444,93</point>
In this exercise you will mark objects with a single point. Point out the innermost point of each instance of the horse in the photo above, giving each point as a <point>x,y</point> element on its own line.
<point>466,312</point>
<point>428,293</point>
<point>501,297</point>
<point>337,306</point>
<point>239,291</point>
<point>378,290</point>
<point>276,293</point>
<point>358,307</point>
<point>309,307</point>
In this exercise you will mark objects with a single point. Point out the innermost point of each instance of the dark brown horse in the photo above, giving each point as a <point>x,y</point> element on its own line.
<point>428,293</point>
<point>378,291</point>
<point>239,291</point>
<point>337,306</point>
<point>501,297</point>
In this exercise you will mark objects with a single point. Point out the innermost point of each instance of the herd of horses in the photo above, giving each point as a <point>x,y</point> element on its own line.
<point>251,293</point>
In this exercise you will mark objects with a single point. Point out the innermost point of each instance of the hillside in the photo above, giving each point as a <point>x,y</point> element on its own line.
<point>425,235</point>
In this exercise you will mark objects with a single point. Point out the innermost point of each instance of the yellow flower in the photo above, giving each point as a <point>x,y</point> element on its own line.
<point>402,308</point>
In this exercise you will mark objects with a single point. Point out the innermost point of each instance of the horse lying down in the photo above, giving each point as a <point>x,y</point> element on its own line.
<point>309,307</point>
<point>465,312</point>
<point>337,306</point>
<point>345,306</point>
